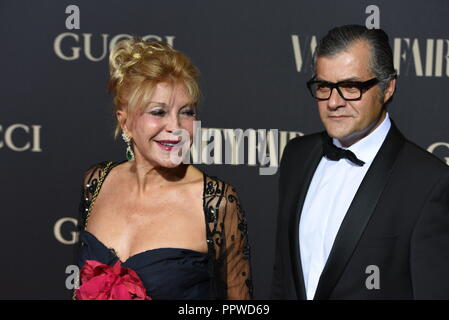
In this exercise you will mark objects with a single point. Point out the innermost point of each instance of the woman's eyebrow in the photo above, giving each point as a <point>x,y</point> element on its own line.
<point>162,104</point>
<point>166,106</point>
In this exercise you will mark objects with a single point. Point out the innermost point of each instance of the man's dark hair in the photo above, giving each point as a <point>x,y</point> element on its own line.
<point>341,38</point>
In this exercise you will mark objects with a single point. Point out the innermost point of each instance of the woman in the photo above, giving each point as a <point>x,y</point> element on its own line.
<point>152,228</point>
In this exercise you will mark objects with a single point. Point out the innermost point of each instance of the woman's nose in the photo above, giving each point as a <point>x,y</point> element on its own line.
<point>172,124</point>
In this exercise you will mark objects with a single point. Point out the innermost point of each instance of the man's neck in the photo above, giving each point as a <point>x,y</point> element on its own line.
<point>359,135</point>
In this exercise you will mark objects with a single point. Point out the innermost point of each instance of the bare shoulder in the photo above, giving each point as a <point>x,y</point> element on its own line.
<point>194,175</point>
<point>121,170</point>
<point>193,182</point>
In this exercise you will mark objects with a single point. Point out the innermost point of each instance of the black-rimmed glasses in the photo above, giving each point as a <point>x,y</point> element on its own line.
<point>348,90</point>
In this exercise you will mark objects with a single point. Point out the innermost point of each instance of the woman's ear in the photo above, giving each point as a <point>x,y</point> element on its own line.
<point>122,116</point>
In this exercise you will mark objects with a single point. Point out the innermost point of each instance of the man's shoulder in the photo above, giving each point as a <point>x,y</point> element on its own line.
<point>420,158</point>
<point>305,141</point>
<point>300,147</point>
<point>415,157</point>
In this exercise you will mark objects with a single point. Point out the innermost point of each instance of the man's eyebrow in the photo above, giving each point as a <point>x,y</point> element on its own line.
<point>350,79</point>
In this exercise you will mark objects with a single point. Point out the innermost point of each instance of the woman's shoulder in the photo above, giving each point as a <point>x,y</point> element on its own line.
<point>95,171</point>
<point>97,166</point>
<point>217,187</point>
<point>222,203</point>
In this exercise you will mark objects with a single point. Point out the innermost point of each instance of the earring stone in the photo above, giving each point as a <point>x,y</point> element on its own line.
<point>129,151</point>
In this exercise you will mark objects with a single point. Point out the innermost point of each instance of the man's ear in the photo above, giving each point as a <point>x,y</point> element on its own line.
<point>389,90</point>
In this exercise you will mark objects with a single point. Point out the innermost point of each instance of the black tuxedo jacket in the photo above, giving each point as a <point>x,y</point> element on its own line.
<point>397,221</point>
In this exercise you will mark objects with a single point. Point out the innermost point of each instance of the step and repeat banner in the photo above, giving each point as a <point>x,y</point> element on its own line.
<point>56,117</point>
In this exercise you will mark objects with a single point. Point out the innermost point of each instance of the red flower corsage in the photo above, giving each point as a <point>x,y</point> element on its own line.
<point>103,282</point>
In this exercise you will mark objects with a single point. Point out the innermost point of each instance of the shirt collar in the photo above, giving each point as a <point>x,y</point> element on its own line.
<point>366,149</point>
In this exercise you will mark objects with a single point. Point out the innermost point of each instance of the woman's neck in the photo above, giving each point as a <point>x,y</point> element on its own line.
<point>148,176</point>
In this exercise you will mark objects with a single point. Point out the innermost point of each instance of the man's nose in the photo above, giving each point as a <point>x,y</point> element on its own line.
<point>335,100</point>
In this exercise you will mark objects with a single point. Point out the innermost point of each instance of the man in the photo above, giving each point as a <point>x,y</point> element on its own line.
<point>363,212</point>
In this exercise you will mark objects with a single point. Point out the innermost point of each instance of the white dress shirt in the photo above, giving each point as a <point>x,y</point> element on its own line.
<point>328,198</point>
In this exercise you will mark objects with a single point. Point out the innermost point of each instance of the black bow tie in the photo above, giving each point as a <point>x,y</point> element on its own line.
<point>334,153</point>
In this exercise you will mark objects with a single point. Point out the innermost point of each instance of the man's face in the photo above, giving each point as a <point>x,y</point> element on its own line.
<point>349,121</point>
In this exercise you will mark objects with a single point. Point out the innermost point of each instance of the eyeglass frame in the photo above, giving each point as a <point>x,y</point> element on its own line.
<point>363,86</point>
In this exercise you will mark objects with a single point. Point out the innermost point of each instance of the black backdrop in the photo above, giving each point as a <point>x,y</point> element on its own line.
<point>56,116</point>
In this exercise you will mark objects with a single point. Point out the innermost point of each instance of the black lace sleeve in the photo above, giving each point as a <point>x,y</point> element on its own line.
<point>228,241</point>
<point>89,185</point>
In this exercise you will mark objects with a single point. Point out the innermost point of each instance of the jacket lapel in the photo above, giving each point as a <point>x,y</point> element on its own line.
<point>299,184</point>
<point>359,212</point>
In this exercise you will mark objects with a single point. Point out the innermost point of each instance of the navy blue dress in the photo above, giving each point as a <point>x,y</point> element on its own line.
<point>167,273</point>
<point>173,273</point>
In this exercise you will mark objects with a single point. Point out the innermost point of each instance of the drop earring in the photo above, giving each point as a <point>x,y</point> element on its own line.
<point>129,150</point>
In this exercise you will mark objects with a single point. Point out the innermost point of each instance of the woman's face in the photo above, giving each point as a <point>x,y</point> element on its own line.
<point>155,128</point>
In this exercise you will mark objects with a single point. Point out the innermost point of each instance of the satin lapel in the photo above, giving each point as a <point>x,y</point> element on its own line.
<point>301,178</point>
<point>359,212</point>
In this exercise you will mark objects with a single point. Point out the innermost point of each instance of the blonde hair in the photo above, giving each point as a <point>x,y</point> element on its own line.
<point>137,66</point>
